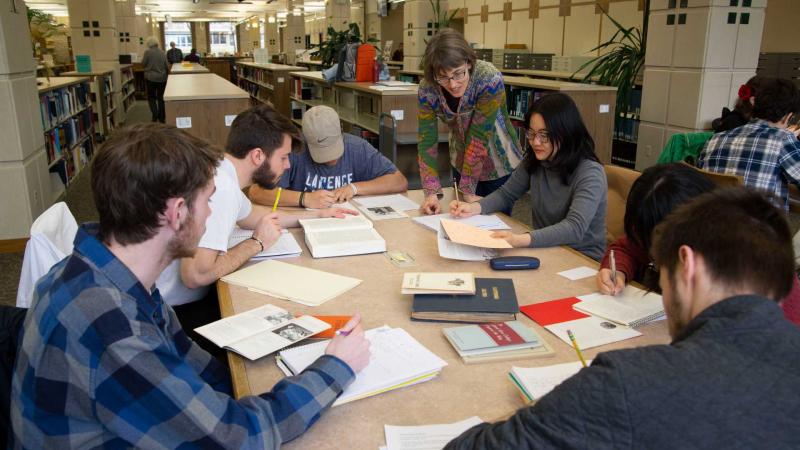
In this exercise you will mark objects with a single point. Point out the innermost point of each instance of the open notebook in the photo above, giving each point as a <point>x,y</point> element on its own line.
<point>632,307</point>
<point>286,246</point>
<point>397,360</point>
<point>536,382</point>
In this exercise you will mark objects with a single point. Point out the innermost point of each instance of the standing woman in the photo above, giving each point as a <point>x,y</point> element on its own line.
<point>469,96</point>
<point>566,182</point>
<point>155,67</point>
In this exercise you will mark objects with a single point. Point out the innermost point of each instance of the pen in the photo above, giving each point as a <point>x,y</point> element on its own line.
<point>613,271</point>
<point>343,332</point>
<point>277,197</point>
<point>455,189</point>
<point>575,345</point>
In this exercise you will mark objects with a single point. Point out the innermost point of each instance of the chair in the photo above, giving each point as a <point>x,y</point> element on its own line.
<point>619,181</point>
<point>51,239</point>
<point>720,179</point>
<point>11,320</point>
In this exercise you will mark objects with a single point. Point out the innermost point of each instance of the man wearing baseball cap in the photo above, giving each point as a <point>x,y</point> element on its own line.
<point>336,167</point>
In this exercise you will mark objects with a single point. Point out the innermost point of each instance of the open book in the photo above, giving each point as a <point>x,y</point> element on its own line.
<point>536,382</point>
<point>632,307</point>
<point>353,235</point>
<point>397,360</point>
<point>286,245</point>
<point>261,331</point>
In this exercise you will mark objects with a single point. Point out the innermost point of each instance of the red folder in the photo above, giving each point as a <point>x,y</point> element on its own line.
<point>554,311</point>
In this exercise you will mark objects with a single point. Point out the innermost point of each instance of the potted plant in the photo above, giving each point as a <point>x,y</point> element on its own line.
<point>42,26</point>
<point>441,17</point>
<point>329,49</point>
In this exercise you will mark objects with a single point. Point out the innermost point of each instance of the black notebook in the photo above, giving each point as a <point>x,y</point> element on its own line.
<point>494,301</point>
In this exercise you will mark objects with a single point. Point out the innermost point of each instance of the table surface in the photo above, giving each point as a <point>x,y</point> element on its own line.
<point>201,86</point>
<point>461,390</point>
<point>179,69</point>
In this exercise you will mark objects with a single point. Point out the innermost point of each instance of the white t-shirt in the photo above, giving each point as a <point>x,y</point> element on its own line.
<point>228,206</point>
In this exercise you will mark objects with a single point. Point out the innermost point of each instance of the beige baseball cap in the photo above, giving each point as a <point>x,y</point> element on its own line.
<point>323,134</point>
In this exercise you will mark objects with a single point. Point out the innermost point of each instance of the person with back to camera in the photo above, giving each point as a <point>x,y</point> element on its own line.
<point>470,97</point>
<point>743,109</point>
<point>566,183</point>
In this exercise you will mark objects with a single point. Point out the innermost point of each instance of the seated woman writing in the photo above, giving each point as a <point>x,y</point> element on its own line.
<point>566,182</point>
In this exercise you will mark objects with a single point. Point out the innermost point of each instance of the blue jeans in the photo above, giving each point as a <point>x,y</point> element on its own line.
<point>484,188</point>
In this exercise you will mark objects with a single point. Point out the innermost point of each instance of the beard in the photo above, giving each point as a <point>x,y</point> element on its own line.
<point>184,244</point>
<point>674,310</point>
<point>265,178</point>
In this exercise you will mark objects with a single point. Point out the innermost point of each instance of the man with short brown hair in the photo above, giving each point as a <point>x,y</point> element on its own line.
<point>104,362</point>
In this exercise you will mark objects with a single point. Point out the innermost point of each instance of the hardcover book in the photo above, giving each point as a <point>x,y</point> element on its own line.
<point>494,301</point>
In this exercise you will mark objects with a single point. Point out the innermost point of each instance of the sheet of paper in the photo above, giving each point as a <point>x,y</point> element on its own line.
<point>462,233</point>
<point>383,213</point>
<point>392,88</point>
<point>397,201</point>
<point>578,273</point>
<point>451,250</point>
<point>426,437</point>
<point>484,222</point>
<point>296,283</point>
<point>592,332</point>
<point>539,381</point>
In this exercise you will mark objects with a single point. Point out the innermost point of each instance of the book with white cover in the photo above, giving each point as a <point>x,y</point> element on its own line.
<point>352,235</point>
<point>631,307</point>
<point>299,284</point>
<point>396,360</point>
<point>286,246</point>
<point>438,283</point>
<point>260,331</point>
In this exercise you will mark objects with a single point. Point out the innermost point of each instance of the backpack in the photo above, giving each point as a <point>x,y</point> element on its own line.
<point>347,63</point>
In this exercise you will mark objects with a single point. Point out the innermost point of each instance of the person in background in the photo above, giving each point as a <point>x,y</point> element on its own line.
<point>654,195</point>
<point>566,183</point>
<point>154,63</point>
<point>192,57</point>
<point>104,361</point>
<point>398,54</point>
<point>334,168</point>
<point>174,54</point>
<point>729,377</point>
<point>763,152</point>
<point>743,109</point>
<point>469,96</point>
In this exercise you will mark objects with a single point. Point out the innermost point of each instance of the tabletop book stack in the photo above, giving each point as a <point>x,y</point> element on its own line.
<point>460,297</point>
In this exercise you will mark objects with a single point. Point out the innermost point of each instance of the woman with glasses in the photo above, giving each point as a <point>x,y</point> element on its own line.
<point>567,184</point>
<point>469,96</point>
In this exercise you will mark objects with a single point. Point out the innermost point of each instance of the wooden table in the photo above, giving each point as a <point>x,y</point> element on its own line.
<point>208,100</point>
<point>181,69</point>
<point>460,391</point>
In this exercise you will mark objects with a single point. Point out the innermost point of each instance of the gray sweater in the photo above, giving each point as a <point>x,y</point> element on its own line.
<point>728,381</point>
<point>573,214</point>
<point>154,63</point>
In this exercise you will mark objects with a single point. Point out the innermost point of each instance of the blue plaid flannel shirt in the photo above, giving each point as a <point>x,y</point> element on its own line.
<point>768,158</point>
<point>105,363</point>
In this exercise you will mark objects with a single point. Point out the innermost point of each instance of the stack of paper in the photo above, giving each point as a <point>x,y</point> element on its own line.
<point>631,307</point>
<point>397,360</point>
<point>453,250</point>
<point>484,222</point>
<point>536,382</point>
<point>287,281</point>
<point>261,331</point>
<point>426,437</point>
<point>286,246</point>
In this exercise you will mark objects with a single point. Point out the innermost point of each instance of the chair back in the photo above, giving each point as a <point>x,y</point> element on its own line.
<point>720,179</point>
<point>11,320</point>
<point>52,234</point>
<point>620,181</point>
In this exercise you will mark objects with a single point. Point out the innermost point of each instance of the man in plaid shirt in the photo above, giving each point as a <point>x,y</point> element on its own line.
<point>764,152</point>
<point>104,361</point>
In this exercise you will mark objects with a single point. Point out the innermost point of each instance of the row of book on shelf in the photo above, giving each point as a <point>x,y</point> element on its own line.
<point>60,139</point>
<point>73,160</point>
<point>58,104</point>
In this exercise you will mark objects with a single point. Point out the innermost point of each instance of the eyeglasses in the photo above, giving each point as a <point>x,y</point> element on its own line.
<point>457,76</point>
<point>543,135</point>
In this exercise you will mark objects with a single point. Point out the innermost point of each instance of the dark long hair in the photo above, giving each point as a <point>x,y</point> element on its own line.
<point>567,133</point>
<point>659,190</point>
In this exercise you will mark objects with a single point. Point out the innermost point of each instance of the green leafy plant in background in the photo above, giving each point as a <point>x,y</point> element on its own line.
<point>442,18</point>
<point>42,27</point>
<point>620,66</point>
<point>329,49</point>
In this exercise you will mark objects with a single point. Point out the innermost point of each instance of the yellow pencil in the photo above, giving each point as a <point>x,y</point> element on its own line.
<point>277,197</point>
<point>575,345</point>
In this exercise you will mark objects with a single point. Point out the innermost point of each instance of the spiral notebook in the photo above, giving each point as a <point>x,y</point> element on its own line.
<point>632,307</point>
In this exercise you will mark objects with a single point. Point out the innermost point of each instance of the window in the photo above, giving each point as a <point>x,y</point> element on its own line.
<point>180,33</point>
<point>223,37</point>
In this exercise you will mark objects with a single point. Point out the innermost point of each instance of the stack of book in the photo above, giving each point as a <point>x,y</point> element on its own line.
<point>496,342</point>
<point>491,300</point>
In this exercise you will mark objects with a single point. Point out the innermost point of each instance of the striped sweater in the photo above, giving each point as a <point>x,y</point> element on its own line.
<point>483,142</point>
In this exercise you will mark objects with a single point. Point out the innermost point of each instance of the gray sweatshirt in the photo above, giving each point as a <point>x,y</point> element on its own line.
<point>573,214</point>
<point>154,63</point>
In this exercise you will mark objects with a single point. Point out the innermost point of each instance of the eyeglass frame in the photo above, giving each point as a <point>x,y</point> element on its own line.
<point>445,81</point>
<point>543,135</point>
